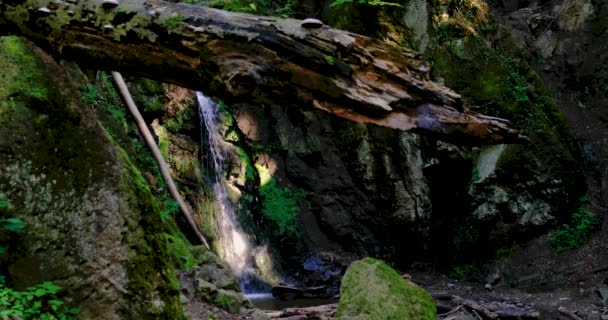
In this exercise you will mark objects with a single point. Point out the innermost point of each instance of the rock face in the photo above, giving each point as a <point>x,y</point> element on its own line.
<point>376,192</point>
<point>92,225</point>
<point>373,290</point>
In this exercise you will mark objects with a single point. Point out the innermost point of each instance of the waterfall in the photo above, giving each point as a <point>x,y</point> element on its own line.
<point>234,245</point>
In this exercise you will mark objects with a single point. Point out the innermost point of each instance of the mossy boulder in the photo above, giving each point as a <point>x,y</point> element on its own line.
<point>372,290</point>
<point>230,301</point>
<point>92,225</point>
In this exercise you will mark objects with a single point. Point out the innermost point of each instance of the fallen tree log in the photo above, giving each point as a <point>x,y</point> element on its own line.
<point>260,60</point>
<point>315,312</point>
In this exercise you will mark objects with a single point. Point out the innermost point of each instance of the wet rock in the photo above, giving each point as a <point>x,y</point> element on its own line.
<point>229,300</point>
<point>205,290</point>
<point>373,290</point>
<point>211,269</point>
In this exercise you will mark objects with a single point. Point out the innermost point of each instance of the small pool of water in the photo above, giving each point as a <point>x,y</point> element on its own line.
<point>266,301</point>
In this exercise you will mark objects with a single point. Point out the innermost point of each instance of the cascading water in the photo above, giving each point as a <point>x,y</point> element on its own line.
<point>234,244</point>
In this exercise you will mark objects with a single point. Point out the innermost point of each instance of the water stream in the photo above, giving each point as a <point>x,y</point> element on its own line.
<point>233,244</point>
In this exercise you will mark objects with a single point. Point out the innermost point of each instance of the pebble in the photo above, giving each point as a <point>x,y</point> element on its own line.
<point>488,286</point>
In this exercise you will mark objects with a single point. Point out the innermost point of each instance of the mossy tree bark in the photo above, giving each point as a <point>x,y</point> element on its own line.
<point>263,60</point>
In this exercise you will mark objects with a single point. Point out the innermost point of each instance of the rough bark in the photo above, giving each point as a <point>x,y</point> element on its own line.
<point>247,58</point>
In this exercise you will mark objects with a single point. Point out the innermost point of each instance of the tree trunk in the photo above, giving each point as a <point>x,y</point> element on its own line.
<point>259,60</point>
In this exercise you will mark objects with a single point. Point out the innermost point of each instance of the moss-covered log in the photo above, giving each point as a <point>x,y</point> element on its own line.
<point>263,60</point>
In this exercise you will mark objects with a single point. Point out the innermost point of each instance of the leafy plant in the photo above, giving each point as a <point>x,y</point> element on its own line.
<point>570,236</point>
<point>37,302</point>
<point>173,22</point>
<point>280,205</point>
<point>9,224</point>
<point>517,87</point>
<point>463,272</point>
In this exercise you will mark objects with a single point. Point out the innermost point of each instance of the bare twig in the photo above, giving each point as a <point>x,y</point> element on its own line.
<point>568,313</point>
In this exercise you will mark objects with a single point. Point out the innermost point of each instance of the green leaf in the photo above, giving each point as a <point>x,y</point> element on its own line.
<point>51,287</point>
<point>12,224</point>
<point>39,293</point>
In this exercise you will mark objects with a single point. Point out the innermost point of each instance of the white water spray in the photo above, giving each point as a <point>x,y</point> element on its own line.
<point>234,244</point>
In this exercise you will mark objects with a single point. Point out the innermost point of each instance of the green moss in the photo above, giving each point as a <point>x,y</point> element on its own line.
<point>21,72</point>
<point>178,248</point>
<point>163,140</point>
<point>246,161</point>
<point>372,290</point>
<point>148,271</point>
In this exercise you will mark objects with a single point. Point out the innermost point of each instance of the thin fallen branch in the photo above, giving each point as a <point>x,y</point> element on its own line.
<point>568,313</point>
<point>164,169</point>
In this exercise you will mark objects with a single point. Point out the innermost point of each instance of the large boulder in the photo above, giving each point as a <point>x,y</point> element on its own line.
<point>91,224</point>
<point>373,290</point>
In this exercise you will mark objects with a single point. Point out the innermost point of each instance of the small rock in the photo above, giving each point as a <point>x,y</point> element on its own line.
<point>311,23</point>
<point>451,285</point>
<point>205,290</point>
<point>605,317</point>
<point>183,298</point>
<point>229,300</point>
<point>258,314</point>
<point>488,286</point>
<point>108,27</point>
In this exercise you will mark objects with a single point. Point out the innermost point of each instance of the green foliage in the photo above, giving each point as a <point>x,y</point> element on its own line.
<point>368,2</point>
<point>283,8</point>
<point>571,236</point>
<point>605,88</point>
<point>104,96</point>
<point>475,174</point>
<point>9,225</point>
<point>463,272</point>
<point>331,60</point>
<point>280,205</point>
<point>173,22</point>
<point>37,302</point>
<point>517,88</point>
